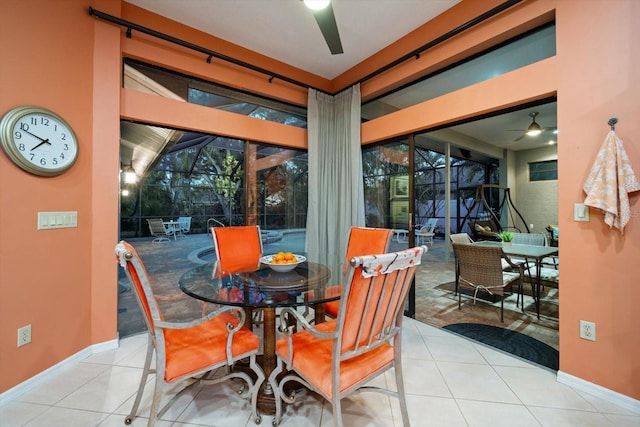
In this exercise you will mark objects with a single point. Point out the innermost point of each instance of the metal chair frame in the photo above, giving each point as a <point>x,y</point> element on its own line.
<point>158,328</point>
<point>368,326</point>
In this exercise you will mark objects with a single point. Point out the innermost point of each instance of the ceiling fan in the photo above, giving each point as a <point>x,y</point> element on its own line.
<point>534,129</point>
<point>323,12</point>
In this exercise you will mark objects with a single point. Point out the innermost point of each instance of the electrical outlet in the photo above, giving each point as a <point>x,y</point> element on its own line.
<point>24,335</point>
<point>587,330</point>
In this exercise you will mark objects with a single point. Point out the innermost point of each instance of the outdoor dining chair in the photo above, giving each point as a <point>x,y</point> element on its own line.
<point>480,268</point>
<point>185,224</point>
<point>159,231</point>
<point>188,351</point>
<point>426,232</point>
<point>342,356</point>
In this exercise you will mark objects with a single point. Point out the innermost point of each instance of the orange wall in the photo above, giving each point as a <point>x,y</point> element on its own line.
<point>46,277</point>
<point>73,308</point>
<point>598,63</point>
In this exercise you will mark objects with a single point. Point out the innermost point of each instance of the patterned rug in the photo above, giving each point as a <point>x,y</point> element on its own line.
<point>509,341</point>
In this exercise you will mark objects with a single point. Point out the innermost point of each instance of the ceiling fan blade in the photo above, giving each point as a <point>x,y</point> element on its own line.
<point>327,23</point>
<point>519,138</point>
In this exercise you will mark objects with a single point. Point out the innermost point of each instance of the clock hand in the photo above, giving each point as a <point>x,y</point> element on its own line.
<point>44,141</point>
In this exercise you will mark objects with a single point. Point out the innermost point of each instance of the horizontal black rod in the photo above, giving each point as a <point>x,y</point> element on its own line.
<point>416,52</point>
<point>208,52</point>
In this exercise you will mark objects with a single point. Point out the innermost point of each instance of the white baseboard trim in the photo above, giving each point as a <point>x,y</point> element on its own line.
<point>604,393</point>
<point>48,373</point>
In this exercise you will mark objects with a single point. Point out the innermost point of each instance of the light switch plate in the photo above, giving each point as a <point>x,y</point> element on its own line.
<point>580,212</point>
<point>50,220</point>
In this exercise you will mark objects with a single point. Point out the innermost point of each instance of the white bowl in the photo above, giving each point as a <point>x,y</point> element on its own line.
<point>282,268</point>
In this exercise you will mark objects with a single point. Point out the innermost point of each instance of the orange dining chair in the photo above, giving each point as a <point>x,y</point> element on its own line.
<point>238,248</point>
<point>341,356</point>
<point>188,351</point>
<point>362,241</point>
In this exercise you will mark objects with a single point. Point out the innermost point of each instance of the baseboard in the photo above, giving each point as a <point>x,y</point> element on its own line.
<point>599,391</point>
<point>48,373</point>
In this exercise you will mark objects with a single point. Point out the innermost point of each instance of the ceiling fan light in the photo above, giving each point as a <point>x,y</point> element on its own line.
<point>534,129</point>
<point>316,4</point>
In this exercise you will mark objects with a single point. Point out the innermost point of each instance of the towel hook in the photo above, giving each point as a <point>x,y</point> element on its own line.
<point>612,122</point>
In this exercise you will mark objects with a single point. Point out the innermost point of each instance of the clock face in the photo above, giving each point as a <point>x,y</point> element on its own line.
<point>38,140</point>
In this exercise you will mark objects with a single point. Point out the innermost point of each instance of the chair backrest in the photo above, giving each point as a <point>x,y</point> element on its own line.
<point>185,223</point>
<point>156,227</point>
<point>460,238</point>
<point>479,265</point>
<point>373,300</point>
<point>128,258</point>
<point>537,239</point>
<point>430,225</point>
<point>238,248</point>
<point>364,240</point>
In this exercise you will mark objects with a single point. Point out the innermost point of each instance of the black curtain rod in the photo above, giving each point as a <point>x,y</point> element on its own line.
<point>415,53</point>
<point>131,26</point>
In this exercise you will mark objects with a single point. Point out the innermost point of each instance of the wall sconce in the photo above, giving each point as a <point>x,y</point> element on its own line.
<point>129,175</point>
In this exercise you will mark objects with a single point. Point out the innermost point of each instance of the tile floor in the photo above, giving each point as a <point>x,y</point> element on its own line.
<point>450,381</point>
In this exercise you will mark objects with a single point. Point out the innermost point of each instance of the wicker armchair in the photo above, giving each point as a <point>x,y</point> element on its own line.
<point>480,268</point>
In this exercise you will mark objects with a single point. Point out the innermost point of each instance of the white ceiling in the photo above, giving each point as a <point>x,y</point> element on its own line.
<point>287,31</point>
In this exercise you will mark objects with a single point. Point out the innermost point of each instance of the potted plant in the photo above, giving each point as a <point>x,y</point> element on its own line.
<point>506,236</point>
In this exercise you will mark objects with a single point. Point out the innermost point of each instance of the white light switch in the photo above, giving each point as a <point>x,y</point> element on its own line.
<point>580,212</point>
<point>51,220</point>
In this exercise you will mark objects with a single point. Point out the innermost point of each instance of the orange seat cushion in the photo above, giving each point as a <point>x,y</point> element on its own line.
<point>193,349</point>
<point>312,359</point>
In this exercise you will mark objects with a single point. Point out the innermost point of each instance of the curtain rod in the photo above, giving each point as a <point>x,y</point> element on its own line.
<point>211,54</point>
<point>446,36</point>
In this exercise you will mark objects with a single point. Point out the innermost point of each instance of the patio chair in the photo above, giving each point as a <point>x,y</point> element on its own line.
<point>185,224</point>
<point>188,352</point>
<point>362,240</point>
<point>159,231</point>
<point>480,268</point>
<point>341,356</point>
<point>425,232</point>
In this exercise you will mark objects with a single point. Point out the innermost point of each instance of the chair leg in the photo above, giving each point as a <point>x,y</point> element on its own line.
<point>400,384</point>
<point>143,381</point>
<point>337,411</point>
<point>502,309</point>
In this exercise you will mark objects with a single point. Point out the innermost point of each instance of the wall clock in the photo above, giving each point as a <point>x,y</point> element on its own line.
<point>38,140</point>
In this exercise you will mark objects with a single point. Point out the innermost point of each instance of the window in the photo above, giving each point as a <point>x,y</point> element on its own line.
<point>543,171</point>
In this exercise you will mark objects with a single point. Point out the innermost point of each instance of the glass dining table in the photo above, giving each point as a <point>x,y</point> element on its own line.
<point>308,284</point>
<point>528,252</point>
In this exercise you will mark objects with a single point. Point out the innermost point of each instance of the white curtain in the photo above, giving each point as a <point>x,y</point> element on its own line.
<point>336,194</point>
